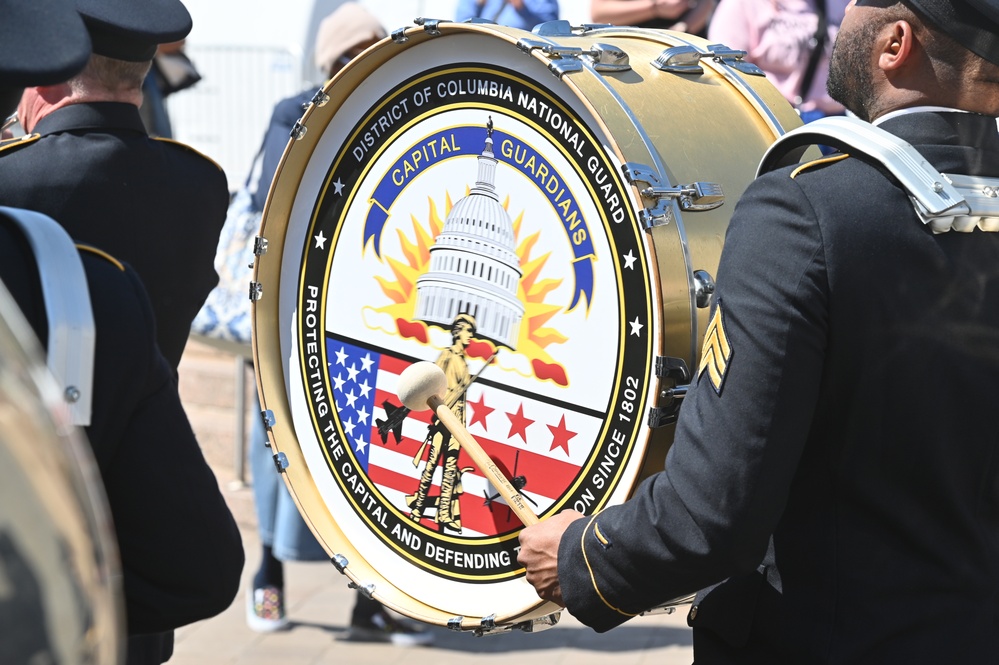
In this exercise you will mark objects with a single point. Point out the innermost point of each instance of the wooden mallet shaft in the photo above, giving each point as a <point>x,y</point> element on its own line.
<point>420,386</point>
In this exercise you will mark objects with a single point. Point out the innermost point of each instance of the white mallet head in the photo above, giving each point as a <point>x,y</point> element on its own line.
<point>418,383</point>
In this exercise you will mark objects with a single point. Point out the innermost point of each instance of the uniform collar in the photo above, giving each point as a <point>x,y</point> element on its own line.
<point>966,143</point>
<point>917,109</point>
<point>92,116</point>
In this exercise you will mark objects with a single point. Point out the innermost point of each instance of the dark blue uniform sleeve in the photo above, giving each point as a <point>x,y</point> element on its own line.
<point>741,431</point>
<point>181,551</point>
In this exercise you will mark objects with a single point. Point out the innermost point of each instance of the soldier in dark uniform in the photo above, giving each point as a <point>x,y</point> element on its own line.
<point>835,470</point>
<point>181,552</point>
<point>88,163</point>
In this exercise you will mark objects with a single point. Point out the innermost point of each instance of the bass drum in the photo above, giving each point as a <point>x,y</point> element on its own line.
<point>539,214</point>
<point>60,582</point>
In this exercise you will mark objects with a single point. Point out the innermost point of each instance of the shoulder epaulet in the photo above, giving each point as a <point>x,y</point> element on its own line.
<point>818,162</point>
<point>17,142</point>
<point>942,201</point>
<point>189,149</point>
<point>101,253</point>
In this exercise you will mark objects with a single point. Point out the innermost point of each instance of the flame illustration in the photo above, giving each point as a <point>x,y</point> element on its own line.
<point>414,261</point>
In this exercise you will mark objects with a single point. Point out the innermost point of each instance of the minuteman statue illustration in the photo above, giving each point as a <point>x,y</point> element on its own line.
<point>442,444</point>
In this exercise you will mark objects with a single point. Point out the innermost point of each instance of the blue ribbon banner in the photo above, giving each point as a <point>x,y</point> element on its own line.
<point>463,141</point>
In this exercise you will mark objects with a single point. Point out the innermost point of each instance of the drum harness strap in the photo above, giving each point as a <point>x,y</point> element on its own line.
<point>70,352</point>
<point>944,201</point>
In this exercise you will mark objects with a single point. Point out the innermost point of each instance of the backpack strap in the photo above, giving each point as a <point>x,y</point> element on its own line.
<point>72,336</point>
<point>942,201</point>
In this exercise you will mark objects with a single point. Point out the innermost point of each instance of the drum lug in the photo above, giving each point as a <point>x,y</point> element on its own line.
<point>675,370</point>
<point>680,60</point>
<point>704,288</point>
<point>259,245</point>
<point>281,462</point>
<point>559,28</point>
<point>256,291</point>
<point>320,99</point>
<point>660,416</point>
<point>340,562</point>
<point>268,417</point>
<point>563,28</point>
<point>607,58</point>
<point>399,35</point>
<point>566,59</point>
<point>687,59</point>
<point>431,26</point>
<point>299,131</point>
<point>562,59</point>
<point>367,590</point>
<point>661,214</point>
<point>489,627</point>
<point>733,58</point>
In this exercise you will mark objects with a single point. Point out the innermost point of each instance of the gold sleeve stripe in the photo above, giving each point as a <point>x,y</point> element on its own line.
<point>18,142</point>
<point>600,536</point>
<point>818,162</point>
<point>101,253</point>
<point>717,351</point>
<point>593,578</point>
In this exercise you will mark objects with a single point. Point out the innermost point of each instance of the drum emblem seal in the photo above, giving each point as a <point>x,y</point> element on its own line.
<point>493,236</point>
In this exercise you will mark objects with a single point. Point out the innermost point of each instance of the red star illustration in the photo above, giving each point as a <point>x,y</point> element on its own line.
<point>480,411</point>
<point>518,423</point>
<point>561,436</point>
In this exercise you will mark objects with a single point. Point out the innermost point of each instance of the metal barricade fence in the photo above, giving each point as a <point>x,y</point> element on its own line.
<point>225,114</point>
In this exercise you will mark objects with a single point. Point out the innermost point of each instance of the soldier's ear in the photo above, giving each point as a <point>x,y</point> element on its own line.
<point>895,46</point>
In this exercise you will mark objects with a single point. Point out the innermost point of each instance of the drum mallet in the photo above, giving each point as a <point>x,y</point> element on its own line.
<point>422,385</point>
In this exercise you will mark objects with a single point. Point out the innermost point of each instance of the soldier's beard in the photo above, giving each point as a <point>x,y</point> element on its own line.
<point>851,82</point>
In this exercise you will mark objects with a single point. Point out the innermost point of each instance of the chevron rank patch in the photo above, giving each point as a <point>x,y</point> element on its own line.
<point>717,351</point>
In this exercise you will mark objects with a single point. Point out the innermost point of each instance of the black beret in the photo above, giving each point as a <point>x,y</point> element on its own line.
<point>972,23</point>
<point>42,42</point>
<point>132,29</point>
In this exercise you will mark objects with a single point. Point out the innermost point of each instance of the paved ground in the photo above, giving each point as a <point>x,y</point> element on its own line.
<point>319,601</point>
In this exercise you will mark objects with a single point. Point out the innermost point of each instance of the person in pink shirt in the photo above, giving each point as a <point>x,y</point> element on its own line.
<point>779,37</point>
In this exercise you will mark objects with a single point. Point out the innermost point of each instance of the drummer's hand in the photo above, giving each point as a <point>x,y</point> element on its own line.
<point>539,553</point>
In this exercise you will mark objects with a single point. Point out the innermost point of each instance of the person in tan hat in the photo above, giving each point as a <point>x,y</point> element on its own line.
<point>283,533</point>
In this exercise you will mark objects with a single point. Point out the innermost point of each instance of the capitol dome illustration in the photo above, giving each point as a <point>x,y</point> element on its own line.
<point>473,266</point>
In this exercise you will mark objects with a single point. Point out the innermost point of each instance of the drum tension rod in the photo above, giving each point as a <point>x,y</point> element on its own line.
<point>366,590</point>
<point>695,197</point>
<point>675,369</point>
<point>488,625</point>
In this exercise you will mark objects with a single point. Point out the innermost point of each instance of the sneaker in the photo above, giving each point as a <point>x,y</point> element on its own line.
<point>384,628</point>
<point>265,609</point>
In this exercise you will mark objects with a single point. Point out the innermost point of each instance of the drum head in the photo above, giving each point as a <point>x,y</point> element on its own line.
<point>60,583</point>
<point>449,199</point>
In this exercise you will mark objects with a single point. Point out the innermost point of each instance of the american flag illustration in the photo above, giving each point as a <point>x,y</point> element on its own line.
<point>541,443</point>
